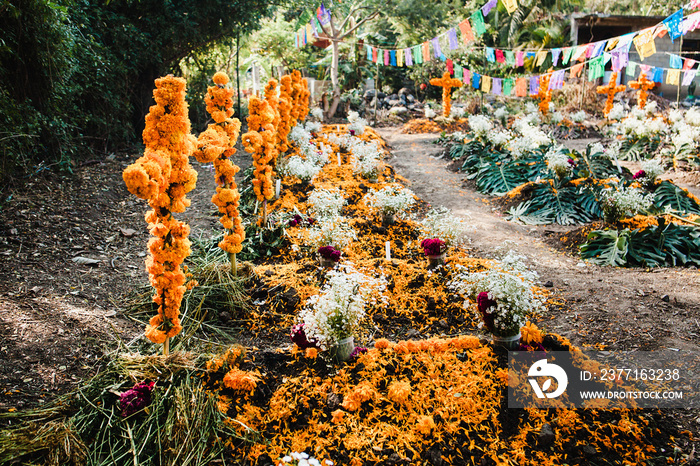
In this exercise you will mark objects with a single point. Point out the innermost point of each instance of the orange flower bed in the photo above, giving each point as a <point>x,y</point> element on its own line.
<point>424,125</point>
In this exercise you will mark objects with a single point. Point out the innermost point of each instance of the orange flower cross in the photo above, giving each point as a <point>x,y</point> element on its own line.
<point>611,89</point>
<point>545,93</point>
<point>643,84</point>
<point>447,83</point>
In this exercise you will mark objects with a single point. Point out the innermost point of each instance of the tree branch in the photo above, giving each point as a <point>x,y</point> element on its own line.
<point>363,21</point>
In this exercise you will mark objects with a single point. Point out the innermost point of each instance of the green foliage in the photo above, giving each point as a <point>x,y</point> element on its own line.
<point>665,245</point>
<point>567,205</point>
<point>637,149</point>
<point>668,195</point>
<point>595,165</point>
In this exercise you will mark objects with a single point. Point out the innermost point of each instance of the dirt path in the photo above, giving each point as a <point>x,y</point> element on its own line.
<point>620,308</point>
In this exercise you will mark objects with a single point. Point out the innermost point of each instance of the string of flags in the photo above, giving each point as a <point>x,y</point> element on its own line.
<point>596,54</point>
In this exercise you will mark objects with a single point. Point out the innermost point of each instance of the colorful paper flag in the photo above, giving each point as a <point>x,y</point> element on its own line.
<point>417,55</point>
<point>580,52</point>
<point>645,44</point>
<point>478,24</point>
<point>541,57</point>
<point>497,86</point>
<point>688,76</point>
<point>598,48</point>
<point>466,29</point>
<point>520,59</point>
<point>375,53</point>
<point>675,62</point>
<point>369,52</point>
<point>620,57</point>
<point>510,58</point>
<point>500,58</point>
<point>476,79</point>
<point>490,5</point>
<point>534,85</point>
<point>673,24</point>
<point>436,47</point>
<point>658,75</point>
<point>452,39</point>
<point>323,15</point>
<point>408,56</point>
<point>508,86</point>
<point>392,57</point>
<point>426,51</point>
<point>386,58</point>
<point>485,84</point>
<point>450,66</point>
<point>399,57</point>
<point>490,55</point>
<point>555,56</point>
<point>688,63</point>
<point>466,76</point>
<point>631,69</point>
<point>673,77</point>
<point>566,55</point>
<point>596,68</point>
<point>521,87</point>
<point>511,5</point>
<point>576,70</point>
<point>459,74</point>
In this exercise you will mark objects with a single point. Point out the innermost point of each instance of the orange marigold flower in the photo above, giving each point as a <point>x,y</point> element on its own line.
<point>530,334</point>
<point>398,392</point>
<point>311,353</point>
<point>220,78</point>
<point>338,416</point>
<point>425,425</point>
<point>382,344</point>
<point>237,379</point>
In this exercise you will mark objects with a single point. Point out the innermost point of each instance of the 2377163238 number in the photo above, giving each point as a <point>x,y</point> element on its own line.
<point>639,374</point>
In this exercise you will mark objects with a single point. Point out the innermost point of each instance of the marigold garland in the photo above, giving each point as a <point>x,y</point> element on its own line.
<point>259,141</point>
<point>285,110</point>
<point>544,94</point>
<point>163,176</point>
<point>610,89</point>
<point>216,145</point>
<point>447,83</point>
<point>299,98</point>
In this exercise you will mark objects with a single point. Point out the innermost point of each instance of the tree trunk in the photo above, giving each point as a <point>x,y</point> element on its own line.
<point>334,81</point>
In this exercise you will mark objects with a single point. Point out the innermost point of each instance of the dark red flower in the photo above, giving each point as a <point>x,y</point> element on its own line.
<point>433,246</point>
<point>329,252</point>
<point>135,399</point>
<point>483,303</point>
<point>299,338</point>
<point>357,351</point>
<point>571,162</point>
<point>639,174</point>
<point>423,86</point>
<point>352,132</point>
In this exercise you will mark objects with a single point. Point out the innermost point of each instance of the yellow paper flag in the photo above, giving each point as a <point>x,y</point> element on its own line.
<point>541,57</point>
<point>511,5</point>
<point>673,77</point>
<point>485,83</point>
<point>399,57</point>
<point>644,43</point>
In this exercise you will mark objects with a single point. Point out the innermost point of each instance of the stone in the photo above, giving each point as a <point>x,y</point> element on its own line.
<point>546,435</point>
<point>548,284</point>
<point>398,110</point>
<point>665,298</point>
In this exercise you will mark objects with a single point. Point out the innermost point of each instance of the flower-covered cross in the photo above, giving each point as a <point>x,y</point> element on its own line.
<point>544,94</point>
<point>610,89</point>
<point>447,83</point>
<point>643,84</point>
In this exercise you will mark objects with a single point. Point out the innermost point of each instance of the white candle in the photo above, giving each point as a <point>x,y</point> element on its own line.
<point>339,128</point>
<point>339,162</point>
<point>278,188</point>
<point>387,247</point>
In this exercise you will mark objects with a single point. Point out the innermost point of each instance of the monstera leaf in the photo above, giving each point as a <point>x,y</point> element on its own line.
<point>596,165</point>
<point>498,177</point>
<point>669,195</point>
<point>606,247</point>
<point>473,147</point>
<point>566,205</point>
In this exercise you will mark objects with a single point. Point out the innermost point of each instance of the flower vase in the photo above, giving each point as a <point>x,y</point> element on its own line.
<point>326,262</point>
<point>510,343</point>
<point>388,219</point>
<point>434,261</point>
<point>343,349</point>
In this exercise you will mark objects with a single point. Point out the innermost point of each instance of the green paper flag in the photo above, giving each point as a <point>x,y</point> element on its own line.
<point>596,68</point>
<point>631,69</point>
<point>478,23</point>
<point>417,55</point>
<point>567,55</point>
<point>458,73</point>
<point>510,58</point>
<point>507,86</point>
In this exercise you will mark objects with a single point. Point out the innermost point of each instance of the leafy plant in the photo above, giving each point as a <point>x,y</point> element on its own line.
<point>566,205</point>
<point>668,195</point>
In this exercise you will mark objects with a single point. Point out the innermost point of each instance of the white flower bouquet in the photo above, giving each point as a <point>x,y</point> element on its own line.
<point>390,200</point>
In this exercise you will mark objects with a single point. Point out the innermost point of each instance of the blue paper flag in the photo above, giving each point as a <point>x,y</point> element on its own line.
<point>392,54</point>
<point>658,75</point>
<point>676,62</point>
<point>673,24</point>
<point>555,56</point>
<point>490,54</point>
<point>436,47</point>
<point>476,80</point>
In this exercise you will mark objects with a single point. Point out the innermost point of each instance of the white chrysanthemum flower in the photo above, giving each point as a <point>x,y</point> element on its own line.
<point>429,112</point>
<point>317,113</point>
<point>332,231</point>
<point>353,116</point>
<point>597,148</point>
<point>655,125</point>
<point>443,224</point>
<point>358,126</point>
<point>613,150</point>
<point>652,169</point>
<point>617,112</point>
<point>556,117</point>
<point>299,136</point>
<point>480,125</point>
<point>625,202</point>
<point>579,116</point>
<point>499,138</point>
<point>390,200</point>
<point>651,108</point>
<point>303,169</point>
<point>366,158</point>
<point>336,311</point>
<point>313,127</point>
<point>692,116</point>
<point>558,161</point>
<point>510,284</point>
<point>326,202</point>
<point>531,107</point>
<point>675,115</point>
<point>501,113</point>
<point>457,112</point>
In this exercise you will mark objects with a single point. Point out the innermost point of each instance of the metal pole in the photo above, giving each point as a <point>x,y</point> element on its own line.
<point>376,93</point>
<point>678,91</point>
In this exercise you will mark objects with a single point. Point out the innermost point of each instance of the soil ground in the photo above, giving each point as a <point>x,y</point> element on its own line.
<point>60,314</point>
